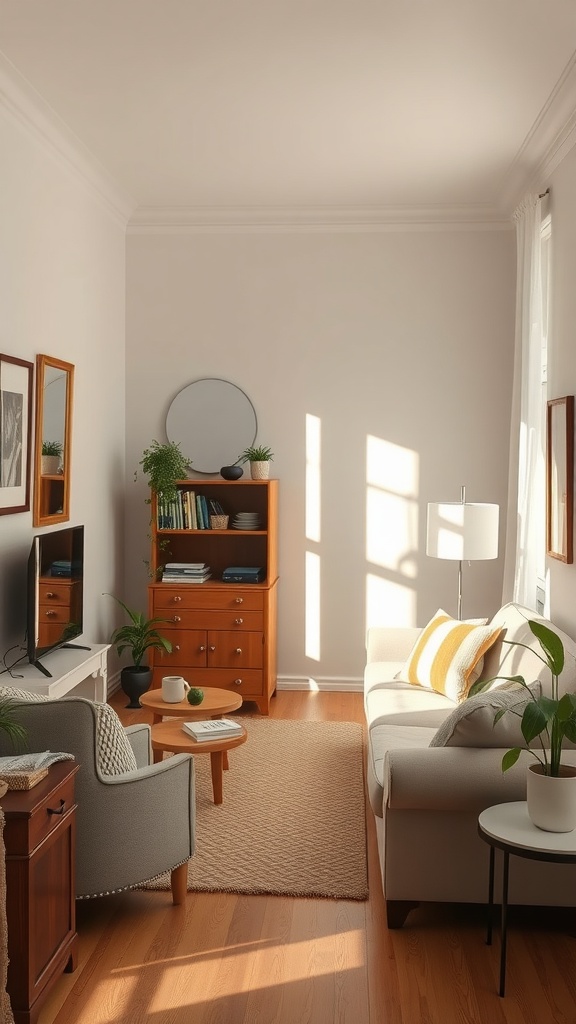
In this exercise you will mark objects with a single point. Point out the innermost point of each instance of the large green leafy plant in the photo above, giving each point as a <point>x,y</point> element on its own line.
<point>164,464</point>
<point>550,719</point>
<point>15,732</point>
<point>138,635</point>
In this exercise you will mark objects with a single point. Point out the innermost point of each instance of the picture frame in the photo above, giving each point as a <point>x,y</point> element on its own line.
<point>15,434</point>
<point>560,478</point>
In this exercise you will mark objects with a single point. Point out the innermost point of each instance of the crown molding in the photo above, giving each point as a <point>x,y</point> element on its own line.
<point>551,137</point>
<point>30,112</point>
<point>192,219</point>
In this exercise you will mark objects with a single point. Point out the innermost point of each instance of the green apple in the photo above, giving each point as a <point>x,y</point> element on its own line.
<point>194,695</point>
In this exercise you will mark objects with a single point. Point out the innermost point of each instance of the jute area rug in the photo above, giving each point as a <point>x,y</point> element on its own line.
<point>292,822</point>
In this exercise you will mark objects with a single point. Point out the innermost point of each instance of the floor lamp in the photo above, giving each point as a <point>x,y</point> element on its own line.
<point>464,531</point>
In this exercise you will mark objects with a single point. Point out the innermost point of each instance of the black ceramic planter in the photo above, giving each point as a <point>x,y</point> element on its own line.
<point>231,472</point>
<point>135,681</point>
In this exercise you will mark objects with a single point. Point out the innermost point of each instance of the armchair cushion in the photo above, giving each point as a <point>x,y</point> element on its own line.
<point>114,751</point>
<point>471,724</point>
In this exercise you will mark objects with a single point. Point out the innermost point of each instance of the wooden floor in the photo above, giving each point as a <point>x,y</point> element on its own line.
<point>225,959</point>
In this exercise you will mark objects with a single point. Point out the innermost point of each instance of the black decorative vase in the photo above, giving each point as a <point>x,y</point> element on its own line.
<point>231,472</point>
<point>135,680</point>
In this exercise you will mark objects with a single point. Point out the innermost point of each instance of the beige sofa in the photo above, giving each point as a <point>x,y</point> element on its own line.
<point>426,799</point>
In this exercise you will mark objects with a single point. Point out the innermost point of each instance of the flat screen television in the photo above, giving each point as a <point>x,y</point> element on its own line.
<point>55,592</point>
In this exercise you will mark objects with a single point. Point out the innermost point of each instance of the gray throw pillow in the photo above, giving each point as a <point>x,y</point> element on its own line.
<point>471,724</point>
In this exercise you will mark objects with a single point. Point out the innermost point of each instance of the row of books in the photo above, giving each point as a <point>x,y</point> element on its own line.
<point>186,572</point>
<point>212,729</point>
<point>189,511</point>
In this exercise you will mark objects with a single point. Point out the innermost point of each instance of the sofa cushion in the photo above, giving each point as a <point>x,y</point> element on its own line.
<point>471,724</point>
<point>113,750</point>
<point>447,656</point>
<point>383,738</point>
<point>403,704</point>
<point>504,659</point>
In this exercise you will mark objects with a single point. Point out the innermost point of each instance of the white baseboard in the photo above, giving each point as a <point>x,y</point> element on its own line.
<point>334,683</point>
<point>113,683</point>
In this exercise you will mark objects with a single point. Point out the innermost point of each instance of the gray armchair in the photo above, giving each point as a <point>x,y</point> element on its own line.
<point>130,827</point>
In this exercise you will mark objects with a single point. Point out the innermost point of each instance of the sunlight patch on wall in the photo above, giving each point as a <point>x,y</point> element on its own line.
<point>392,478</point>
<point>313,439</point>
<point>312,608</point>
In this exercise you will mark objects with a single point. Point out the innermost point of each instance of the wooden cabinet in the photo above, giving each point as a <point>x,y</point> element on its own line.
<point>59,600</point>
<point>39,837</point>
<point>222,634</point>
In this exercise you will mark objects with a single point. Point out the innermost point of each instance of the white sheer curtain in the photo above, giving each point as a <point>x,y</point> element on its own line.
<point>524,515</point>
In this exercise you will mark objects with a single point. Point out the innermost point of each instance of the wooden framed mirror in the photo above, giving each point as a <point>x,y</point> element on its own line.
<point>53,448</point>
<point>560,478</point>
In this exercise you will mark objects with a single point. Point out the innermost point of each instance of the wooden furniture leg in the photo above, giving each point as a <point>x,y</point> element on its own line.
<point>216,764</point>
<point>179,884</point>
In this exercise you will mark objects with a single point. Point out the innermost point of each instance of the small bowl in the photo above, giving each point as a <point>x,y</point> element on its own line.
<point>231,472</point>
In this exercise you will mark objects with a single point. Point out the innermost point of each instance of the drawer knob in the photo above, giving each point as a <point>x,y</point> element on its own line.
<point>59,810</point>
<point>176,618</point>
<point>212,647</point>
<point>239,600</point>
<point>176,647</point>
<point>238,650</point>
<point>176,598</point>
<point>202,647</point>
<point>50,612</point>
<point>238,621</point>
<point>237,682</point>
<point>50,594</point>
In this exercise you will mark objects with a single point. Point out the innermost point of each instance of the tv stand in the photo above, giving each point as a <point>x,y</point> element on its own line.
<point>70,669</point>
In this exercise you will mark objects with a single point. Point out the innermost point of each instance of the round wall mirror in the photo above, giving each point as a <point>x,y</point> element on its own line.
<point>213,421</point>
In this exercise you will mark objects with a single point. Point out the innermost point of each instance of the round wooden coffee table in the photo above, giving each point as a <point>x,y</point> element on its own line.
<point>216,703</point>
<point>171,736</point>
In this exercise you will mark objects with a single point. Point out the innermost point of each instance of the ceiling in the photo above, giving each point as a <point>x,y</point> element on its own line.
<point>395,106</point>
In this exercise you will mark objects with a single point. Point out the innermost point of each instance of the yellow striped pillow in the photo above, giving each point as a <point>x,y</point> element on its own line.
<point>448,655</point>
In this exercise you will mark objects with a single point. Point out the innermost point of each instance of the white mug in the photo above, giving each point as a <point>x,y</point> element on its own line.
<point>174,689</point>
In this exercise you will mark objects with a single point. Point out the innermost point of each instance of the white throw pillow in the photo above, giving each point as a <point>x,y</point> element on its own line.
<point>447,656</point>
<point>113,750</point>
<point>471,724</point>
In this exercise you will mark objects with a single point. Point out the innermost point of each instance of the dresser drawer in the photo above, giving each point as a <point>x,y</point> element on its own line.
<point>56,613</point>
<point>30,830</point>
<point>200,618</point>
<point>54,593</point>
<point>246,681</point>
<point>194,595</point>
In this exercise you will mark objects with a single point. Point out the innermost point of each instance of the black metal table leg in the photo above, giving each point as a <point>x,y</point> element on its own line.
<point>490,898</point>
<point>504,923</point>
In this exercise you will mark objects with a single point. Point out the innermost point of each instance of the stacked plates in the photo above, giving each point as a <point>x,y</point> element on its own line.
<point>246,521</point>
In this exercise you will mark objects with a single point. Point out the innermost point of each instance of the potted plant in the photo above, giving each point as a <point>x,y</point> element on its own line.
<point>259,458</point>
<point>137,636</point>
<point>164,464</point>
<point>551,785</point>
<point>51,457</point>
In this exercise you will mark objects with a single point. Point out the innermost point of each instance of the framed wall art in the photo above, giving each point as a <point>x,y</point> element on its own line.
<point>560,478</point>
<point>15,434</point>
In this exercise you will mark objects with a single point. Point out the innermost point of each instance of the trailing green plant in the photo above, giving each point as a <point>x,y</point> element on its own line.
<point>257,454</point>
<point>164,464</point>
<point>138,635</point>
<point>550,719</point>
<point>15,732</point>
<point>52,448</point>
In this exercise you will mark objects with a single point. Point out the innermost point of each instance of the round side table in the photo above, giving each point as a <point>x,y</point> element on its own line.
<point>216,702</point>
<point>171,736</point>
<point>507,827</point>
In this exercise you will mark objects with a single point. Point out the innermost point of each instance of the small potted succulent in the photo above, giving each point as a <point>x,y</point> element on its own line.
<point>551,785</point>
<point>259,458</point>
<point>51,457</point>
<point>137,636</point>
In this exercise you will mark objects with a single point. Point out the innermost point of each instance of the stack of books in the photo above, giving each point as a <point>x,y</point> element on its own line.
<point>189,511</point>
<point>212,729</point>
<point>186,572</point>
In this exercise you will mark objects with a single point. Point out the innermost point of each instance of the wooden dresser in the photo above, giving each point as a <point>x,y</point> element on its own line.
<point>59,607</point>
<point>39,837</point>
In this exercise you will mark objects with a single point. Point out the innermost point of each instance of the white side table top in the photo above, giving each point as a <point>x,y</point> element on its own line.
<point>510,824</point>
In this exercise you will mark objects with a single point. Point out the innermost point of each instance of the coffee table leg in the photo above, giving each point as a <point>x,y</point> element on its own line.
<point>504,925</point>
<point>157,756</point>
<point>225,764</point>
<point>216,764</point>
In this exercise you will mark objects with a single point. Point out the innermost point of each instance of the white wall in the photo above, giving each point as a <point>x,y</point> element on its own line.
<point>62,293</point>
<point>562,352</point>
<point>402,337</point>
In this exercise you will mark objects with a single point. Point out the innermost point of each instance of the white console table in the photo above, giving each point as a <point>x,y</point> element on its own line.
<point>85,672</point>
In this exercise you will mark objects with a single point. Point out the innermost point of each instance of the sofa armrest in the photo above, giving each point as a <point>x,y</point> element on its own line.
<point>139,737</point>
<point>454,778</point>
<point>390,643</point>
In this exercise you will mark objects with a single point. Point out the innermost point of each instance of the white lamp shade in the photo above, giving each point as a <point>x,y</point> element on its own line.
<point>462,531</point>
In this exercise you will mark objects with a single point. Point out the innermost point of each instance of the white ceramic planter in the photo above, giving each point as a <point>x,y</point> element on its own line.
<point>260,470</point>
<point>552,801</point>
<point>50,465</point>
